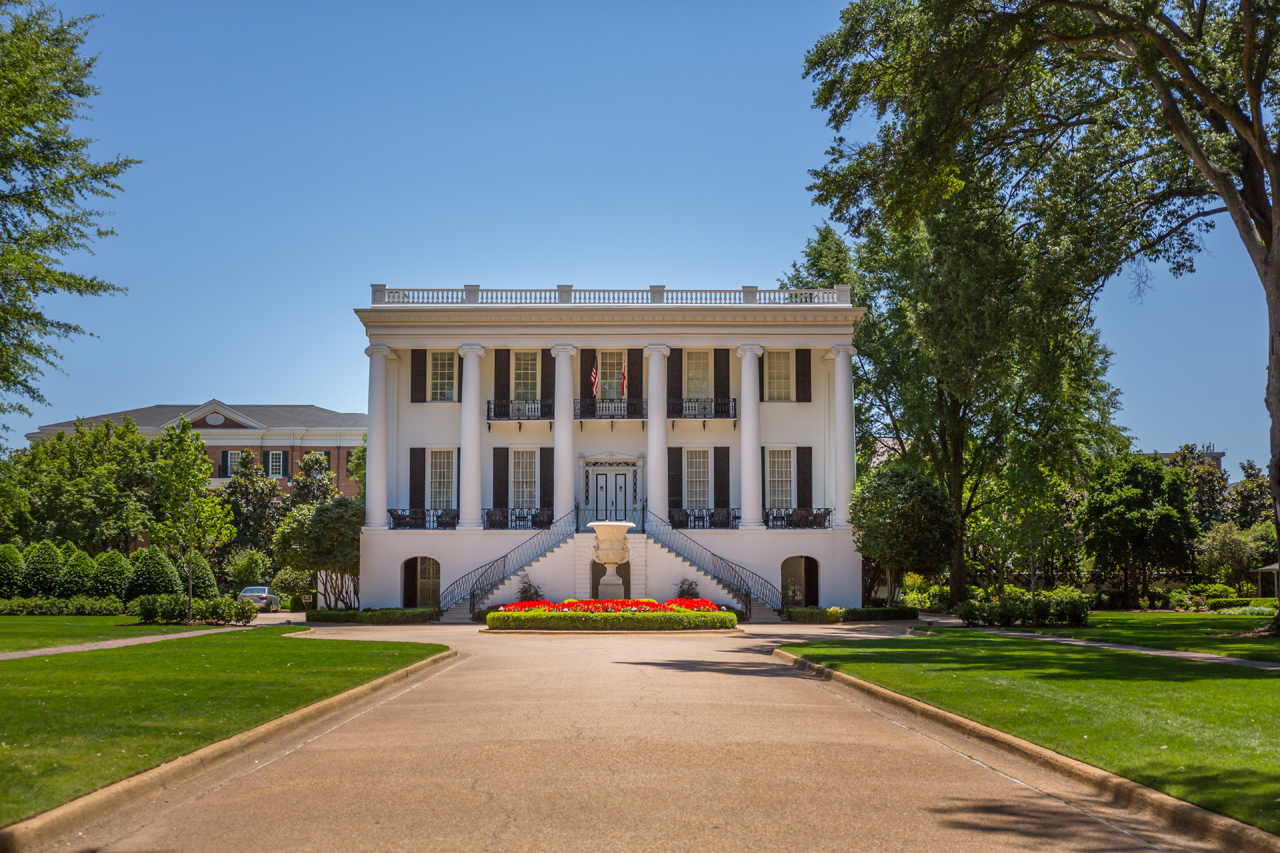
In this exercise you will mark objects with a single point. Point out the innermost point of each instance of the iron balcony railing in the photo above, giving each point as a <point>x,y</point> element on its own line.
<point>719,518</point>
<point>741,582</point>
<point>522,410</point>
<point>693,408</point>
<point>588,408</point>
<point>478,583</point>
<point>502,518</point>
<point>798,518</point>
<point>423,519</point>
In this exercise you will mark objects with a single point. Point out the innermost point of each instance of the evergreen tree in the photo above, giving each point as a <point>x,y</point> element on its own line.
<point>11,571</point>
<point>42,564</point>
<point>203,584</point>
<point>153,574</point>
<point>256,505</point>
<point>112,571</point>
<point>77,572</point>
<point>315,483</point>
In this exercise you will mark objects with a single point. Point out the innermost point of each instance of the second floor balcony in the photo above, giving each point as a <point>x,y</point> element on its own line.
<point>595,408</point>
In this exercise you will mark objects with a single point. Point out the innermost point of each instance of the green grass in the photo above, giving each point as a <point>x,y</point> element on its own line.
<point>1188,632</point>
<point>1203,732</point>
<point>19,633</point>
<point>71,723</point>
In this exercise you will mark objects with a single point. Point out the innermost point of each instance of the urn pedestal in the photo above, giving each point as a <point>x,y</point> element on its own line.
<point>610,551</point>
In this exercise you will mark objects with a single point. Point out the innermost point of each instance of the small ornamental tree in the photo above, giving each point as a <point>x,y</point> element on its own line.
<point>292,582</point>
<point>255,502</point>
<point>203,583</point>
<point>77,574</point>
<point>153,574</point>
<point>11,571</point>
<point>325,540</point>
<point>248,567</point>
<point>42,566</point>
<point>903,520</point>
<point>111,575</point>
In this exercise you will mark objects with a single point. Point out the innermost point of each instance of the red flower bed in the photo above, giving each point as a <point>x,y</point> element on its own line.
<point>624,605</point>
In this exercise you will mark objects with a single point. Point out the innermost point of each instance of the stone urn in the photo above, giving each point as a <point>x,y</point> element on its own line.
<point>611,551</point>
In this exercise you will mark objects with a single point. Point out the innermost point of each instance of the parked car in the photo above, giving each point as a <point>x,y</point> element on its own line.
<point>262,596</point>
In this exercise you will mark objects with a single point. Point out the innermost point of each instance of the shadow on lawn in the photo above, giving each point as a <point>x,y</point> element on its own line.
<point>763,668</point>
<point>1033,658</point>
<point>1246,795</point>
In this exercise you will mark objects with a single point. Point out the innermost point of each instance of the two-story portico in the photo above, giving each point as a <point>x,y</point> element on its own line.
<point>719,422</point>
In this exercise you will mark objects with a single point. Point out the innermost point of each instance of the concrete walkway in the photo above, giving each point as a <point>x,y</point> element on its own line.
<point>622,742</point>
<point>1146,650</point>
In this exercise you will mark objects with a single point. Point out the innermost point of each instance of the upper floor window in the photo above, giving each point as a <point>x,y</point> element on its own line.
<point>233,462</point>
<point>275,463</point>
<point>697,478</point>
<point>779,478</point>
<point>442,364</point>
<point>442,479</point>
<point>697,374</point>
<point>525,372</point>
<point>777,375</point>
<point>613,375</point>
<point>524,479</point>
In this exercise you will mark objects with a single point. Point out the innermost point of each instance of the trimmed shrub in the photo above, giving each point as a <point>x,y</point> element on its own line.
<point>292,582</point>
<point>1225,603</point>
<point>1210,590</point>
<point>243,612</point>
<point>11,571</point>
<point>159,608</point>
<point>248,567</point>
<point>78,606</point>
<point>110,575</point>
<point>203,584</point>
<point>831,615</point>
<point>76,577</point>
<point>153,574</point>
<point>42,565</point>
<point>390,616</point>
<point>1250,611</point>
<point>815,615</point>
<point>1070,607</point>
<point>970,611</point>
<point>541,620</point>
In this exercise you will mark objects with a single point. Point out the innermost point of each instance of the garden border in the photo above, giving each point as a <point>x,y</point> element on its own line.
<point>48,825</point>
<point>1179,814</point>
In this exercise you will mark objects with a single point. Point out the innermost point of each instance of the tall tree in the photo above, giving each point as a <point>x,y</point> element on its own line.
<point>1249,501</point>
<point>255,503</point>
<point>1208,483</point>
<point>47,177</point>
<point>315,483</point>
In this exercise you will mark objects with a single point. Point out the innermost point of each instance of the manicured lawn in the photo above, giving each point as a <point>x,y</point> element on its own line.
<point>1190,632</point>
<point>18,633</point>
<point>1202,732</point>
<point>72,723</point>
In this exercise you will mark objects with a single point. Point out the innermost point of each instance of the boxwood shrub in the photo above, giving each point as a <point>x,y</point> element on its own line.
<point>42,565</point>
<point>390,616</point>
<point>831,615</point>
<point>77,573</point>
<point>681,620</point>
<point>11,571</point>
<point>111,575</point>
<point>153,574</point>
<point>1224,603</point>
<point>78,606</point>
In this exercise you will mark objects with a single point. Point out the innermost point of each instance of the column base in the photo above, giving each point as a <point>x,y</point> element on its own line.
<point>750,525</point>
<point>376,525</point>
<point>470,525</point>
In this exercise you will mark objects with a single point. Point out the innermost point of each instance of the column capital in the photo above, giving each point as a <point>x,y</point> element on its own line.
<point>657,349</point>
<point>377,350</point>
<point>391,356</point>
<point>843,350</point>
<point>471,349</point>
<point>563,349</point>
<point>750,349</point>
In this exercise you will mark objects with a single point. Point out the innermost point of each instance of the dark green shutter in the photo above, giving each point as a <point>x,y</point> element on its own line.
<point>720,472</point>
<point>635,374</point>
<point>675,381</point>
<point>328,460</point>
<point>226,470</point>
<point>284,464</point>
<point>586,363</point>
<point>502,374</point>
<point>804,378</point>
<point>546,476</point>
<point>548,390</point>
<point>417,478</point>
<point>721,379</point>
<point>501,477</point>
<point>418,376</point>
<point>760,359</point>
<point>804,477</point>
<point>675,478</point>
<point>764,477</point>
<point>457,394</point>
<point>457,479</point>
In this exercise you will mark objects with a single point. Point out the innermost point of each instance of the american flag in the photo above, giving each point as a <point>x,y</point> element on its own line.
<point>595,380</point>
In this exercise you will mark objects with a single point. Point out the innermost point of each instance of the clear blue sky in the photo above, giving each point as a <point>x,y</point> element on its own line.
<point>296,153</point>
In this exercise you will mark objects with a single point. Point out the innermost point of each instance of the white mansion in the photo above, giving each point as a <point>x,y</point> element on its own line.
<point>502,422</point>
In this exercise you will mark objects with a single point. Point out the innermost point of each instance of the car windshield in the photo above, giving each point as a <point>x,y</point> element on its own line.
<point>254,590</point>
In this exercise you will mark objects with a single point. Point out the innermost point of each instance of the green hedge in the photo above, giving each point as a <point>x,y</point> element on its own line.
<point>685,620</point>
<point>1224,603</point>
<point>78,606</point>
<point>415,616</point>
<point>831,615</point>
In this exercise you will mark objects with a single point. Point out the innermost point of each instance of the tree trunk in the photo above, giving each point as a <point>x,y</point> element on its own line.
<point>1271,285</point>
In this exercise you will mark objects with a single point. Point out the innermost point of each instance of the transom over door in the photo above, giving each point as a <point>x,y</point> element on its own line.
<point>611,495</point>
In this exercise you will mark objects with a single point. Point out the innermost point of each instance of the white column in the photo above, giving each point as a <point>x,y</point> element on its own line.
<point>845,454</point>
<point>375,469</point>
<point>393,467</point>
<point>469,510</point>
<point>565,474</point>
<point>749,452</point>
<point>656,456</point>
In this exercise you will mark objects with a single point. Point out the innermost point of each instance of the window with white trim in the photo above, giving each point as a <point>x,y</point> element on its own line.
<point>697,478</point>
<point>697,374</point>
<point>613,368</point>
<point>524,376</point>
<point>777,375</point>
<point>779,478</point>
<point>524,479</point>
<point>275,463</point>
<point>442,366</point>
<point>442,479</point>
<point>233,462</point>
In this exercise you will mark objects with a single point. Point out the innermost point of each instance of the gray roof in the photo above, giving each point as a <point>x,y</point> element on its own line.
<point>273,417</point>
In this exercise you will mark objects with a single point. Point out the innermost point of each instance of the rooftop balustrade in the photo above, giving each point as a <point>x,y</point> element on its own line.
<point>566,294</point>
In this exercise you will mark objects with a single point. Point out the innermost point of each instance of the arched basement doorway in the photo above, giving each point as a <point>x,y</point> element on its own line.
<point>597,572</point>
<point>800,582</point>
<point>421,582</point>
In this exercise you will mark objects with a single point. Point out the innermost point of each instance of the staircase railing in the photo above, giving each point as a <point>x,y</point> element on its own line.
<point>743,583</point>
<point>478,583</point>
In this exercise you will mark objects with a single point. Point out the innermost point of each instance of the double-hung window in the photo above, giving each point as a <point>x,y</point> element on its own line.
<point>777,365</point>
<point>442,367</point>
<point>275,463</point>
<point>697,478</point>
<point>524,479</point>
<point>525,370</point>
<point>233,462</point>
<point>779,479</point>
<point>442,479</point>
<point>613,369</point>
<point>697,375</point>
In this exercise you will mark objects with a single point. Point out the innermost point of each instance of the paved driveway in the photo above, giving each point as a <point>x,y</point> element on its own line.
<point>622,742</point>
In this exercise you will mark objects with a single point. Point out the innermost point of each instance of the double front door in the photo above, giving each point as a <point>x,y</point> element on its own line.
<point>610,490</point>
